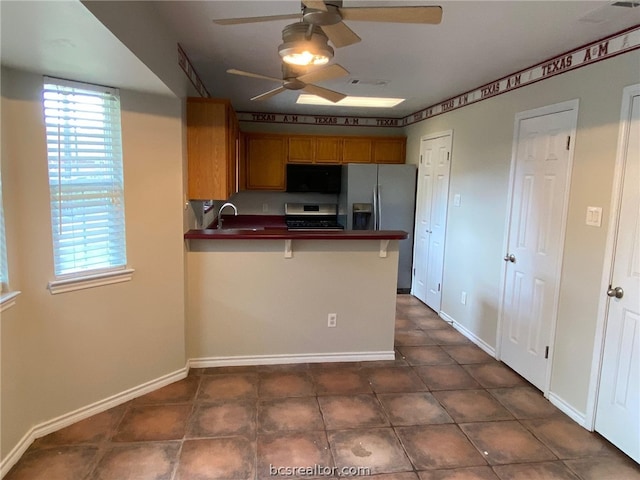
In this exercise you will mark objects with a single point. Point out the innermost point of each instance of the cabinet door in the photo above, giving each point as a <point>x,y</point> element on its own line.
<point>301,149</point>
<point>233,139</point>
<point>389,150</point>
<point>328,150</point>
<point>356,150</point>
<point>207,150</point>
<point>265,162</point>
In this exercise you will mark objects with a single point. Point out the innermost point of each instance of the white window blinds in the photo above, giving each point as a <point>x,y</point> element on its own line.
<point>84,151</point>
<point>4,270</point>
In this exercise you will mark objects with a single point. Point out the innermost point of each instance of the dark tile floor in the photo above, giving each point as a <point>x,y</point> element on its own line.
<point>443,409</point>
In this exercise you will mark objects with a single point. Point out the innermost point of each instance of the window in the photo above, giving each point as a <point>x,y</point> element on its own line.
<point>7,297</point>
<point>86,182</point>
<point>4,269</point>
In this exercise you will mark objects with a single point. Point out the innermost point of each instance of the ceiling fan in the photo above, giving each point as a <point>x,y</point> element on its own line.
<point>329,16</point>
<point>295,78</point>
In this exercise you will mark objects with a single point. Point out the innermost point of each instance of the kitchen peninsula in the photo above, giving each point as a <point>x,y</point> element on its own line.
<point>261,294</point>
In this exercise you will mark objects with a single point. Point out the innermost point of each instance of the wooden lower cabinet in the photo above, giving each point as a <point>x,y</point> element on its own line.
<point>265,161</point>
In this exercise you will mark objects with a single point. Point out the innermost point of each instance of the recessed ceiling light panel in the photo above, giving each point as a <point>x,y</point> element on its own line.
<point>349,101</point>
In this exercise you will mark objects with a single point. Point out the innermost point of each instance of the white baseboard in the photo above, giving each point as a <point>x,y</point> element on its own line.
<point>469,334</point>
<point>575,415</point>
<point>67,419</point>
<point>578,417</point>
<point>208,362</point>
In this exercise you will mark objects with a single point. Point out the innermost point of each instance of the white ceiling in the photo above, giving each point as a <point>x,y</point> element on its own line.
<point>476,43</point>
<point>63,39</point>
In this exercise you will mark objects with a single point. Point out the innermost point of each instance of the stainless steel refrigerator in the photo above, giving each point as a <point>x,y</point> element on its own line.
<point>381,197</point>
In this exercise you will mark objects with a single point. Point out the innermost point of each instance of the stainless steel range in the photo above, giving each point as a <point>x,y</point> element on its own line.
<point>312,216</point>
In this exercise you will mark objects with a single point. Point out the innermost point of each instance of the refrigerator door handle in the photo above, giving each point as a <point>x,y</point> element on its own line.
<point>375,208</point>
<point>379,190</point>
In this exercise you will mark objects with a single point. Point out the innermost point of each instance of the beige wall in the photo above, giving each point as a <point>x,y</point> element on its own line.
<point>319,129</point>
<point>63,352</point>
<point>141,28</point>
<point>481,158</point>
<point>245,299</point>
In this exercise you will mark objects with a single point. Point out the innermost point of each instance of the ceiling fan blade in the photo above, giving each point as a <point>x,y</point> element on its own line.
<point>269,94</point>
<point>432,14</point>
<point>315,4</point>
<point>324,93</point>
<point>236,21</point>
<point>322,74</point>
<point>340,35</point>
<point>253,75</point>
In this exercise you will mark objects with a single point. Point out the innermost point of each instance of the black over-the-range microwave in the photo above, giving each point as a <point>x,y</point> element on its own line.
<point>314,178</point>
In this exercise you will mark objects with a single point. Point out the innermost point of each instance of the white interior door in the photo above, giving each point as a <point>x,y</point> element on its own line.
<point>431,219</point>
<point>618,407</point>
<point>539,194</point>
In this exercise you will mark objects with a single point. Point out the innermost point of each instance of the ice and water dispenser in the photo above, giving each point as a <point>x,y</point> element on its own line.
<point>362,216</point>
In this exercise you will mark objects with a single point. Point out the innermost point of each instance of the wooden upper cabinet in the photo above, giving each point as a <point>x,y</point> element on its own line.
<point>301,149</point>
<point>314,149</point>
<point>212,140</point>
<point>328,150</point>
<point>265,161</point>
<point>389,150</point>
<point>356,150</point>
<point>266,154</point>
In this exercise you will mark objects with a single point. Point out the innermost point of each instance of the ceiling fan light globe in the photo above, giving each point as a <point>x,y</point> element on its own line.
<point>305,53</point>
<point>306,58</point>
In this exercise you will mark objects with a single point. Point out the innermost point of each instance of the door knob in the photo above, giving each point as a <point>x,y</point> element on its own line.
<point>617,292</point>
<point>510,258</point>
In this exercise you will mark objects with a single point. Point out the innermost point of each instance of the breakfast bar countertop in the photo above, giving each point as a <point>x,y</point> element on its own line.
<point>284,234</point>
<point>273,227</point>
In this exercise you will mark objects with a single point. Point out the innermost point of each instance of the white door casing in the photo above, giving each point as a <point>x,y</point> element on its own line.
<point>617,412</point>
<point>431,217</point>
<point>539,192</point>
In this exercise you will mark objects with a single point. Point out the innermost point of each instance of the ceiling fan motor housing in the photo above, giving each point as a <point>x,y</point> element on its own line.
<point>303,36</point>
<point>320,17</point>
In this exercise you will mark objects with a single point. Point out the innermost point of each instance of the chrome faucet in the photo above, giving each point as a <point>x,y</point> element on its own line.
<point>228,204</point>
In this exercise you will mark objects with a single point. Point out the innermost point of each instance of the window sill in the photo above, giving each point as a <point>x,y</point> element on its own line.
<point>8,300</point>
<point>89,281</point>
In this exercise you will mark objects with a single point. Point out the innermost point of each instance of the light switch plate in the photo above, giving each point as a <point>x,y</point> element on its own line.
<point>594,216</point>
<point>456,200</point>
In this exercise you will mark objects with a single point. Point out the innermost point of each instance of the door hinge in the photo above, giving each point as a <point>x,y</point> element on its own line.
<point>420,158</point>
<point>414,271</point>
<point>568,141</point>
<point>438,287</point>
<point>448,153</point>
<point>546,352</point>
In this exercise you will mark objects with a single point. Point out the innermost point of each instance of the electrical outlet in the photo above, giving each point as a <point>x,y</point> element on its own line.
<point>265,207</point>
<point>332,320</point>
<point>463,298</point>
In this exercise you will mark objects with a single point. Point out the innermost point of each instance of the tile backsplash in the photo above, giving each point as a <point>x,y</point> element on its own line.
<point>272,203</point>
<point>252,203</point>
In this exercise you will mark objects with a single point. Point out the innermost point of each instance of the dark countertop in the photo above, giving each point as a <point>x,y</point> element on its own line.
<point>273,227</point>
